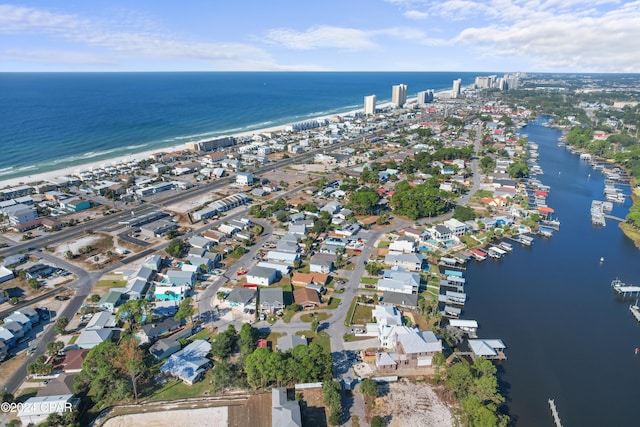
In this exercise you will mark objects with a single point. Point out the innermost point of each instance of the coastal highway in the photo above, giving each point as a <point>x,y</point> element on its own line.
<point>97,224</point>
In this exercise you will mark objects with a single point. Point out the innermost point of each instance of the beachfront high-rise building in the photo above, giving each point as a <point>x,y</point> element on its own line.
<point>457,87</point>
<point>486,82</point>
<point>399,95</point>
<point>370,104</point>
<point>425,97</point>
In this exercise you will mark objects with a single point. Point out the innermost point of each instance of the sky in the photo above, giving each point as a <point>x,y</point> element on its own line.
<point>328,35</point>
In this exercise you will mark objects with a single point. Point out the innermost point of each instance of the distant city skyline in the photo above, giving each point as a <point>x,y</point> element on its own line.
<point>356,35</point>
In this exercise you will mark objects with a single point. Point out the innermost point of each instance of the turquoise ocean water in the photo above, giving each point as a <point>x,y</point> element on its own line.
<point>50,121</point>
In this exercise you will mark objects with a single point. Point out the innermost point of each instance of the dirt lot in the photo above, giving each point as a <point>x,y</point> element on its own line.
<point>313,410</point>
<point>255,413</point>
<point>406,403</point>
<point>214,417</point>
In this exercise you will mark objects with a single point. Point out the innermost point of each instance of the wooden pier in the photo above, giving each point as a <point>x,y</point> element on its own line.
<point>623,289</point>
<point>554,413</point>
<point>635,310</point>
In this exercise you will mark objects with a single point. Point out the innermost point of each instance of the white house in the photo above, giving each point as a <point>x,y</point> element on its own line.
<point>400,281</point>
<point>402,245</point>
<point>244,178</point>
<point>411,261</point>
<point>262,276</point>
<point>457,228</point>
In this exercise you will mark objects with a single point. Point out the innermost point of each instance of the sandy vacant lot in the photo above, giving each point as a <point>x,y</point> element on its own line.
<point>413,404</point>
<point>205,417</point>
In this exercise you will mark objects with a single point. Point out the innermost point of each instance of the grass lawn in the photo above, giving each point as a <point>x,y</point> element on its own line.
<point>203,335</point>
<point>178,390</point>
<point>321,315</point>
<point>352,307</point>
<point>321,338</point>
<point>362,314</point>
<point>383,244</point>
<point>112,283</point>
<point>273,338</point>
<point>288,314</point>
<point>73,339</point>
<point>334,303</point>
<point>369,280</point>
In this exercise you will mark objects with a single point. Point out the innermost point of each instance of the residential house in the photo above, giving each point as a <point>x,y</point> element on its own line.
<point>101,320</point>
<point>181,278</point>
<point>36,410</point>
<point>153,262</point>
<point>284,412</point>
<point>282,257</point>
<point>322,263</point>
<point>20,319</point>
<point>283,269</point>
<point>73,359</point>
<point>262,276</point>
<point>411,261</point>
<point>164,348</point>
<point>441,233</point>
<point>7,337</point>
<point>404,245</point>
<point>289,341</point>
<point>153,331</point>
<point>190,363</point>
<point>198,262</point>
<point>91,338</point>
<point>271,300</point>
<point>304,279</point>
<point>244,178</point>
<point>59,386</point>
<point>170,292</point>
<point>241,297</point>
<point>200,242</point>
<point>110,301</point>
<point>31,313</point>
<point>400,299</point>
<point>306,298</point>
<point>414,349</point>
<point>5,274</point>
<point>457,228</point>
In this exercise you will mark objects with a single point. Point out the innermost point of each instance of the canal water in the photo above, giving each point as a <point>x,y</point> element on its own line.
<point>568,336</point>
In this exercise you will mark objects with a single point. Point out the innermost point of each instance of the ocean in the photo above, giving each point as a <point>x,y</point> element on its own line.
<point>50,121</point>
<point>568,336</point>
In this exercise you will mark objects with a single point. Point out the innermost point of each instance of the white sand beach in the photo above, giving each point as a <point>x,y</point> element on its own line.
<point>47,176</point>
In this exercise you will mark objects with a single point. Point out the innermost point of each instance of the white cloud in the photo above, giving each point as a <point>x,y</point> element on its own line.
<point>21,20</point>
<point>416,15</point>
<point>59,57</point>
<point>321,37</point>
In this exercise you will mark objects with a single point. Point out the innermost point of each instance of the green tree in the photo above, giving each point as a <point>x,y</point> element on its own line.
<point>464,213</point>
<point>247,339</point>
<point>66,418</point>
<point>54,347</point>
<point>223,375</point>
<point>364,200</point>
<point>224,343</point>
<point>135,311</point>
<point>377,421</point>
<point>314,324</point>
<point>374,268</point>
<point>185,311</point>
<point>61,325</point>
<point>34,283</point>
<point>518,169</point>
<point>95,298</point>
<point>369,387</point>
<point>176,247</point>
<point>129,361</point>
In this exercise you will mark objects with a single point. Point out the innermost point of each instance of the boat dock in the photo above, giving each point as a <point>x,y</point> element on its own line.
<point>597,213</point>
<point>635,310</point>
<point>623,289</point>
<point>554,413</point>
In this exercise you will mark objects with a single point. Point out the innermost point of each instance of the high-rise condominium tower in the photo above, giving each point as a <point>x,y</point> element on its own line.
<point>399,95</point>
<point>370,104</point>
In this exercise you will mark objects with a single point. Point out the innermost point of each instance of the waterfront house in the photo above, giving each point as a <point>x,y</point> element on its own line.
<point>400,299</point>
<point>403,245</point>
<point>410,261</point>
<point>414,349</point>
<point>458,228</point>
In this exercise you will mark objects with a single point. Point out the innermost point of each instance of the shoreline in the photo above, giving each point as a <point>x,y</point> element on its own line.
<point>142,155</point>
